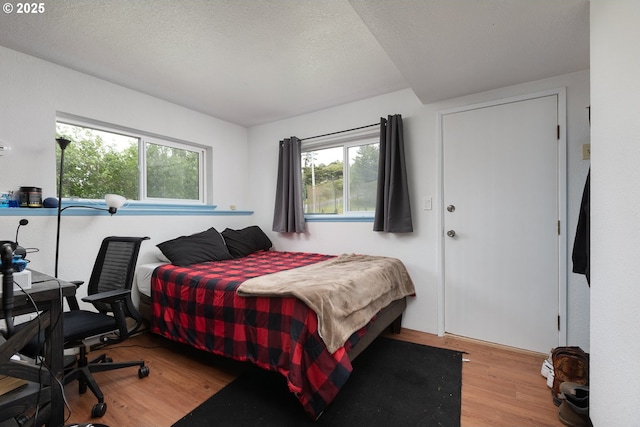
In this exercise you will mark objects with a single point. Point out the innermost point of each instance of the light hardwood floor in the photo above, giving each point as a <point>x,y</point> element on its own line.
<point>500,386</point>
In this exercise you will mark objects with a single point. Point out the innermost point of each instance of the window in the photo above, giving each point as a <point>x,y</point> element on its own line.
<point>103,159</point>
<point>332,185</point>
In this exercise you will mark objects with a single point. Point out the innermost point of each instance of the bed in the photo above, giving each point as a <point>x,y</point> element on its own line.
<point>203,305</point>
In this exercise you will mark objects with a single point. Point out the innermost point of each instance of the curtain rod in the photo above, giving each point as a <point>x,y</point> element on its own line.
<point>340,131</point>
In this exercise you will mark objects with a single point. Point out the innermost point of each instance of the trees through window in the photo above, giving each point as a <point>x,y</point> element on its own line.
<point>340,179</point>
<point>100,161</point>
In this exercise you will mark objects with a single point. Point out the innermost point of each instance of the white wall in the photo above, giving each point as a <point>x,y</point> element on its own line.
<point>32,91</point>
<point>615,212</point>
<point>418,250</point>
<point>245,164</point>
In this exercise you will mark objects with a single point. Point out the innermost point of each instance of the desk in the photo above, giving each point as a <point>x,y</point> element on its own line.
<point>48,294</point>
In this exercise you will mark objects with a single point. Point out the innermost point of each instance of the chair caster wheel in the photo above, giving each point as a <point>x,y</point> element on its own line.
<point>98,410</point>
<point>143,372</point>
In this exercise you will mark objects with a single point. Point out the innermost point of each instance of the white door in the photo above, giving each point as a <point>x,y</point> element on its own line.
<point>500,192</point>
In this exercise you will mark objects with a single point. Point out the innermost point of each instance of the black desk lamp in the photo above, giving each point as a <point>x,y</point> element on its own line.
<point>113,201</point>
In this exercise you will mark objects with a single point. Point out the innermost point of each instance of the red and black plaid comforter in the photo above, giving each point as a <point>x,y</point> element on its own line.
<point>198,305</point>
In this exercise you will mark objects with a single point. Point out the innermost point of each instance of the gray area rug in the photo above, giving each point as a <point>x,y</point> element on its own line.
<point>393,383</point>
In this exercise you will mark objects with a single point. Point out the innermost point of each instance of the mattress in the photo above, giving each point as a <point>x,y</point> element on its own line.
<point>143,277</point>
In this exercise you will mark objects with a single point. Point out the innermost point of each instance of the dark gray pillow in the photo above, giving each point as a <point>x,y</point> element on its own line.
<point>200,247</point>
<point>246,241</point>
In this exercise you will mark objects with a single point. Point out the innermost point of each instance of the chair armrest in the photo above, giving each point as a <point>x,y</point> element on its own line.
<point>118,299</point>
<point>71,299</point>
<point>108,296</point>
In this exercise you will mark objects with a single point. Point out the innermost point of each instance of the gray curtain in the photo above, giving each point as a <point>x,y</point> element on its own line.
<point>288,216</point>
<point>393,209</point>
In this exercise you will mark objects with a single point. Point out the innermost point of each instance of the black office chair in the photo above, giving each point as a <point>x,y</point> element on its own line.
<point>109,290</point>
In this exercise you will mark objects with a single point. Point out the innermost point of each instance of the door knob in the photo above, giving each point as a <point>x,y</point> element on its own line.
<point>451,208</point>
<point>451,233</point>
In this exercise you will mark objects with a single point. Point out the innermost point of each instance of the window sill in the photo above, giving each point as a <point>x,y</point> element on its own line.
<point>129,209</point>
<point>338,218</point>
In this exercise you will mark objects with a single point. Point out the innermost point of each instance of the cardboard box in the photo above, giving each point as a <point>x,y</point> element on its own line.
<point>22,278</point>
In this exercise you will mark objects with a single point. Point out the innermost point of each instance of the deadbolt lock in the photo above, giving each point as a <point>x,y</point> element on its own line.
<point>451,208</point>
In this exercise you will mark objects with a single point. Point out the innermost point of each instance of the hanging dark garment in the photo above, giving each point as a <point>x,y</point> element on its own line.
<point>288,214</point>
<point>393,209</point>
<point>581,255</point>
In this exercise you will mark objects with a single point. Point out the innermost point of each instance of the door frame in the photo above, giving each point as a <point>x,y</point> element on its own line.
<point>561,94</point>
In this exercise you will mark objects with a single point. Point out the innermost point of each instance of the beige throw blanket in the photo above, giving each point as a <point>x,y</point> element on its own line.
<point>345,292</point>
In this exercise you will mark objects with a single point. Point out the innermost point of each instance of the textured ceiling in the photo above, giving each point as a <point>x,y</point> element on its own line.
<point>256,61</point>
<point>451,48</point>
